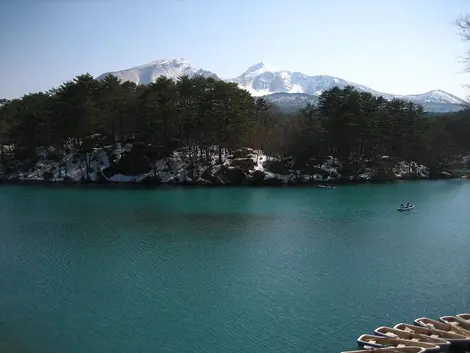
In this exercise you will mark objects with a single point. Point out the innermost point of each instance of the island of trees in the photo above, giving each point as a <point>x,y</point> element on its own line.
<point>207,116</point>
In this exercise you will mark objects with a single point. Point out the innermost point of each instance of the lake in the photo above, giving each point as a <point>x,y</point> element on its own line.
<point>293,269</point>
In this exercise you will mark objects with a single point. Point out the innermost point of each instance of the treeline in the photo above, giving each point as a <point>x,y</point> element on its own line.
<point>200,113</point>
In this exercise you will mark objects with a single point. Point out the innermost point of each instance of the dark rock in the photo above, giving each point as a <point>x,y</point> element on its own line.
<point>203,182</point>
<point>300,164</point>
<point>373,164</point>
<point>132,163</point>
<point>258,176</point>
<point>385,174</point>
<point>68,180</point>
<point>100,179</point>
<point>352,170</point>
<point>273,181</point>
<point>232,176</point>
<point>277,167</point>
<point>242,153</point>
<point>47,175</point>
<point>54,156</point>
<point>152,180</point>
<point>211,178</point>
<point>245,164</point>
<point>311,169</point>
<point>325,174</point>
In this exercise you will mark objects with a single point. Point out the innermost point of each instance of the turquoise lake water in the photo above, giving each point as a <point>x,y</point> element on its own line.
<point>227,269</point>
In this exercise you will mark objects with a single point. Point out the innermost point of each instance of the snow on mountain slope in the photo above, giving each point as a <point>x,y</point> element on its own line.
<point>288,89</point>
<point>264,80</point>
<point>434,96</point>
<point>171,68</point>
<point>260,80</point>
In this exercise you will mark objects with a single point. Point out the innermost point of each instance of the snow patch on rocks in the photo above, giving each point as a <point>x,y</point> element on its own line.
<point>404,170</point>
<point>244,166</point>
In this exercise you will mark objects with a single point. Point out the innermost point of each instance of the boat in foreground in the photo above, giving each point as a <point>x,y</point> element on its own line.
<point>458,323</point>
<point>433,324</point>
<point>392,350</point>
<point>453,338</point>
<point>412,336</point>
<point>373,341</point>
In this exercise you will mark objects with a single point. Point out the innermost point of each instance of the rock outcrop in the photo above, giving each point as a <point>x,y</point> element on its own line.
<point>245,166</point>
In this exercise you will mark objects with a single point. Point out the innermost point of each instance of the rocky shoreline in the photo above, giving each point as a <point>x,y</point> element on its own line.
<point>125,165</point>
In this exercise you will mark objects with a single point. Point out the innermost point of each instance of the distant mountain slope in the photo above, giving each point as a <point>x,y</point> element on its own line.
<point>171,68</point>
<point>289,90</point>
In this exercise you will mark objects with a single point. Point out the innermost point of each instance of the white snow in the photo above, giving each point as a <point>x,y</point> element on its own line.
<point>403,169</point>
<point>73,165</point>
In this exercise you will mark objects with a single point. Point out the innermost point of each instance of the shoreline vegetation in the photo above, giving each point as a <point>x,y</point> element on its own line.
<point>131,185</point>
<point>202,131</point>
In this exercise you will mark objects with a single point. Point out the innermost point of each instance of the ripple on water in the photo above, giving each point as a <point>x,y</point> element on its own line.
<point>226,270</point>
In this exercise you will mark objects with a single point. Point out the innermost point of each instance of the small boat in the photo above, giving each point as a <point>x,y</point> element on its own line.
<point>453,338</point>
<point>412,336</point>
<point>458,323</point>
<point>392,350</point>
<point>326,186</point>
<point>406,208</point>
<point>430,323</point>
<point>465,317</point>
<point>372,341</point>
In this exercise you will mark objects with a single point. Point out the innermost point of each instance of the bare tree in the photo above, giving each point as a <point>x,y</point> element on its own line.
<point>463,25</point>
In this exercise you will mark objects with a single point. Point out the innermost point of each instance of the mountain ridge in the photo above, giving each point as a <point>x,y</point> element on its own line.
<point>281,87</point>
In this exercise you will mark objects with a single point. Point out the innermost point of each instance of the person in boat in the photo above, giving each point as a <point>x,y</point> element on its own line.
<point>408,204</point>
<point>402,206</point>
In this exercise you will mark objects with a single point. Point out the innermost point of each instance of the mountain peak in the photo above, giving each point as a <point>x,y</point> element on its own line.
<point>259,68</point>
<point>167,62</point>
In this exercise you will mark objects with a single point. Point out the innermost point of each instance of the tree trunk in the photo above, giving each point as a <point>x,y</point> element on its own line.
<point>65,160</point>
<point>2,166</point>
<point>87,165</point>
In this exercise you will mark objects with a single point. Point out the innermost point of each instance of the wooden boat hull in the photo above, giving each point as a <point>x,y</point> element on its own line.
<point>393,350</point>
<point>452,338</point>
<point>464,317</point>
<point>458,323</point>
<point>372,341</point>
<point>400,334</point>
<point>444,327</point>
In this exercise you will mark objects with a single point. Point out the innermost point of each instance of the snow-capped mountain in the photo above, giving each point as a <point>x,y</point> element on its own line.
<point>261,80</point>
<point>171,68</point>
<point>289,90</point>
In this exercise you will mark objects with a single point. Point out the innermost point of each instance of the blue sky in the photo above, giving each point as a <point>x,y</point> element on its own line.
<point>393,46</point>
